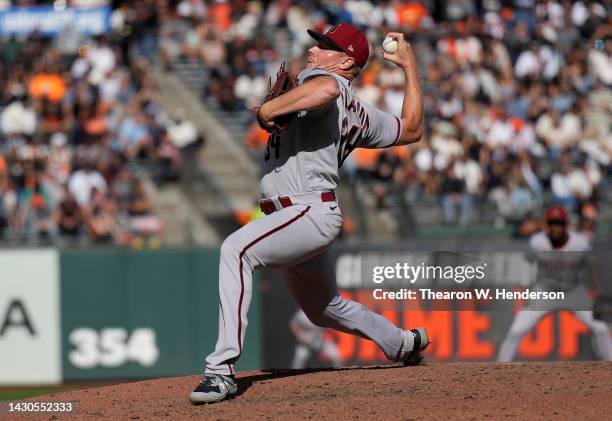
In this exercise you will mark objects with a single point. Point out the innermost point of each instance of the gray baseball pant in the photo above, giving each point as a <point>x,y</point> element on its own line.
<point>294,239</point>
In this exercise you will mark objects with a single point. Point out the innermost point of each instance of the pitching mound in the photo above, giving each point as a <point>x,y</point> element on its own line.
<point>559,390</point>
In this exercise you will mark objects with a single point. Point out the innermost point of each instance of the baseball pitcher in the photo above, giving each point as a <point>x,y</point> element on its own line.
<point>562,260</point>
<point>313,127</point>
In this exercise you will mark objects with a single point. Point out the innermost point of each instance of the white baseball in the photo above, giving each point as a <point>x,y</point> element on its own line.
<point>389,45</point>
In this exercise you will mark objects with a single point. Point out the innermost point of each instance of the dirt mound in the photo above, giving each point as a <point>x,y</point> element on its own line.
<point>559,390</point>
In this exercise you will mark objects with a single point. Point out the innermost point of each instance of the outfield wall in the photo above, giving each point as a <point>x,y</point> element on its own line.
<point>117,314</point>
<point>110,314</point>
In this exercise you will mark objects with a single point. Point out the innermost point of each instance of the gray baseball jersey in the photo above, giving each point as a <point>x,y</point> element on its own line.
<point>302,163</point>
<point>563,268</point>
<point>307,156</point>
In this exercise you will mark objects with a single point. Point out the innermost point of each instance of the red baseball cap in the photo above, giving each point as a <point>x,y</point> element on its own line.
<point>557,214</point>
<point>347,38</point>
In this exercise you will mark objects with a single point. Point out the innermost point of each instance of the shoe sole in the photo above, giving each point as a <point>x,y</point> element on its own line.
<point>198,398</point>
<point>416,359</point>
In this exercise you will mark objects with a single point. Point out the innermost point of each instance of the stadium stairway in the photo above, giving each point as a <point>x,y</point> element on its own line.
<point>193,74</point>
<point>183,224</point>
<point>226,179</point>
<point>182,221</point>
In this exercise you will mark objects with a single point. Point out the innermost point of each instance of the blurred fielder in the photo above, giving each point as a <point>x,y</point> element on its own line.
<point>310,338</point>
<point>562,258</point>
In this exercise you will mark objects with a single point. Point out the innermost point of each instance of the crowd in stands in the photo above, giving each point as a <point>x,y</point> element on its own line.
<point>517,93</point>
<point>80,119</point>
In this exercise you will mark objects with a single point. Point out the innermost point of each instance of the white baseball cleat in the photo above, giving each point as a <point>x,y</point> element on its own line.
<point>214,388</point>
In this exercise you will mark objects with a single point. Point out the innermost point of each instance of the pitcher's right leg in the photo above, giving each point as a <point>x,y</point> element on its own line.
<point>267,241</point>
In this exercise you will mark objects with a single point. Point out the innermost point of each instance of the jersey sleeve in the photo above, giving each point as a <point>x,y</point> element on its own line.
<point>303,77</point>
<point>383,129</point>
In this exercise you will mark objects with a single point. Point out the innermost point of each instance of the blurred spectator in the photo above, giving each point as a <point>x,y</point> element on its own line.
<point>514,201</point>
<point>191,9</point>
<point>570,185</point>
<point>101,58</point>
<point>502,131</point>
<point>47,85</point>
<point>387,169</point>
<point>168,159</point>
<point>181,131</point>
<point>210,47</point>
<point>142,221</point>
<point>600,62</point>
<point>100,220</point>
<point>558,132</point>
<point>133,138</point>
<point>445,144</point>
<point>69,216</point>
<point>36,214</point>
<point>18,118</point>
<point>83,182</point>
<point>453,197</point>
<point>172,33</point>
<point>468,170</point>
<point>250,88</point>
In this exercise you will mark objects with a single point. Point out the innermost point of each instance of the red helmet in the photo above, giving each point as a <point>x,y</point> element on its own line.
<point>556,214</point>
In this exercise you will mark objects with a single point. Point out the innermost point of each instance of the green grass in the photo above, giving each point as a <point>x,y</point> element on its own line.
<point>13,393</point>
<point>23,393</point>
